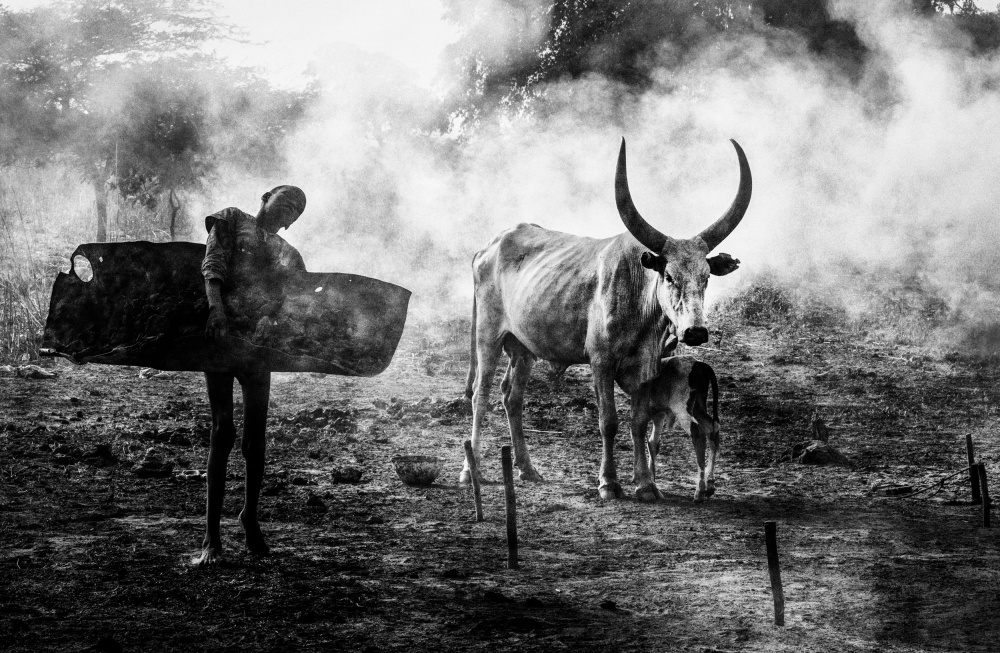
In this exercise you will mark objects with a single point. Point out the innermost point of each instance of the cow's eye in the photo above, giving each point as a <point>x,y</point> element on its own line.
<point>667,277</point>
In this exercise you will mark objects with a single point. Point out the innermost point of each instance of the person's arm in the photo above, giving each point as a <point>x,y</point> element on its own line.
<point>217,325</point>
<point>215,268</point>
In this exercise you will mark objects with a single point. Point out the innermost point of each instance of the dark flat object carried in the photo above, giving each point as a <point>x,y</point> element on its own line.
<point>146,305</point>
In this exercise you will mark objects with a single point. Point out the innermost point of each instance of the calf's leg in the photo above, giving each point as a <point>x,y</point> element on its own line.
<point>220,397</point>
<point>663,421</point>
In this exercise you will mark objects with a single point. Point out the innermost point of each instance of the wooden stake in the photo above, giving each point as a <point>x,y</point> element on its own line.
<point>474,471</point>
<point>508,485</point>
<point>771,540</point>
<point>973,471</point>
<point>986,494</point>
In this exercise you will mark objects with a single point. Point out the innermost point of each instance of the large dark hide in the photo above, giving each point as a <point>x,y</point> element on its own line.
<point>146,305</point>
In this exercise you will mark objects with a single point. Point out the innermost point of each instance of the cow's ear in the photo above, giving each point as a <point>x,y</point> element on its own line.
<point>722,264</point>
<point>653,261</point>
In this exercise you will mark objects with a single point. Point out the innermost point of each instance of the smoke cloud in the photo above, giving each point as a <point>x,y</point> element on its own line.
<point>892,175</point>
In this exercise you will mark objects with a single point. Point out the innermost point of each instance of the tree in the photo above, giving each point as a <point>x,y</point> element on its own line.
<point>621,40</point>
<point>118,89</point>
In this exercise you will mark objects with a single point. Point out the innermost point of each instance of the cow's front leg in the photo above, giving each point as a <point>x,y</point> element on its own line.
<point>256,392</point>
<point>645,487</point>
<point>512,389</point>
<point>604,386</point>
<point>220,397</point>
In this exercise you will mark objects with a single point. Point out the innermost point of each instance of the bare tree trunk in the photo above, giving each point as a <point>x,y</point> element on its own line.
<point>101,198</point>
<point>174,208</point>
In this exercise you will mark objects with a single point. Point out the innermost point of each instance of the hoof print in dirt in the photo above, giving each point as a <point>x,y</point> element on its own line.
<point>315,503</point>
<point>152,466</point>
<point>814,452</point>
<point>346,475</point>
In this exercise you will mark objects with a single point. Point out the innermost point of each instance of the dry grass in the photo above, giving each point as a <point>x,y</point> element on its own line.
<point>44,214</point>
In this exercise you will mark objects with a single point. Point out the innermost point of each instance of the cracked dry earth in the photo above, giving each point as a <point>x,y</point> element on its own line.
<point>101,501</point>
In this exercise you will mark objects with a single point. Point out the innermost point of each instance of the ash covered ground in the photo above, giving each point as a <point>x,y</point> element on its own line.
<point>102,500</point>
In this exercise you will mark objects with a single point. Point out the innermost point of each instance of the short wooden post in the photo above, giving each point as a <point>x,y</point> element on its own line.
<point>986,494</point>
<point>508,485</point>
<point>973,471</point>
<point>474,471</point>
<point>771,540</point>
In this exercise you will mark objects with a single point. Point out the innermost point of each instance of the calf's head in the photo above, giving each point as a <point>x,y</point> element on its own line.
<point>683,266</point>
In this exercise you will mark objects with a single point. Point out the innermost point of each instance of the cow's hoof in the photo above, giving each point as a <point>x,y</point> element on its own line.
<point>209,556</point>
<point>710,491</point>
<point>610,491</point>
<point>648,493</point>
<point>530,474</point>
<point>465,478</point>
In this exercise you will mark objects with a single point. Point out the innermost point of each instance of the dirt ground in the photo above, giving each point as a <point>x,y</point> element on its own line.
<point>95,548</point>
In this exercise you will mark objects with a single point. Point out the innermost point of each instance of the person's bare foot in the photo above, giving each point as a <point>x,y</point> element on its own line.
<point>255,539</point>
<point>210,555</point>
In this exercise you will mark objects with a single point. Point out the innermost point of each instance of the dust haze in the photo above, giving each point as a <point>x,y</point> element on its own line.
<point>890,176</point>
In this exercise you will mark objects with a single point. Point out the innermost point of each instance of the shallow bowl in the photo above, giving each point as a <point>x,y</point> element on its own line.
<point>417,470</point>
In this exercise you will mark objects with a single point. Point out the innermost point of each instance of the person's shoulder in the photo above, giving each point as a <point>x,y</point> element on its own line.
<point>231,216</point>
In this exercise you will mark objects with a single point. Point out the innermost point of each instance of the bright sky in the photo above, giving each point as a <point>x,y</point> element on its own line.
<point>286,35</point>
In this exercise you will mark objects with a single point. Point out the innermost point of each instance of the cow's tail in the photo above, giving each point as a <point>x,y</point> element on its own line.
<point>473,359</point>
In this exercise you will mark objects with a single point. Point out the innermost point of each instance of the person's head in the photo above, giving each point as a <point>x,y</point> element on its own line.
<point>280,207</point>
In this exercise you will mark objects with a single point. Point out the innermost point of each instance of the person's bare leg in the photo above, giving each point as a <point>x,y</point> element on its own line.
<point>256,392</point>
<point>220,397</point>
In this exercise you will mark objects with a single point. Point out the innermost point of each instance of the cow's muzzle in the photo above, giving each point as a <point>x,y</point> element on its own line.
<point>695,336</point>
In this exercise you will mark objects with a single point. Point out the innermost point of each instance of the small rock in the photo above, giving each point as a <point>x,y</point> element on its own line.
<point>34,372</point>
<point>346,475</point>
<point>316,503</point>
<point>152,466</point>
<point>493,596</point>
<point>179,440</point>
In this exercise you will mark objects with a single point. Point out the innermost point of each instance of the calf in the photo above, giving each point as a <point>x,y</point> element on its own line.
<point>678,396</point>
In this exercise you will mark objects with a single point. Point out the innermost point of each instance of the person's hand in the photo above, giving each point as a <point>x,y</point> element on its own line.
<point>217,326</point>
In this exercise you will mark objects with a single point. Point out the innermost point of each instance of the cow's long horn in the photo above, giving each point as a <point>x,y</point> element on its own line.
<point>722,227</point>
<point>638,227</point>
